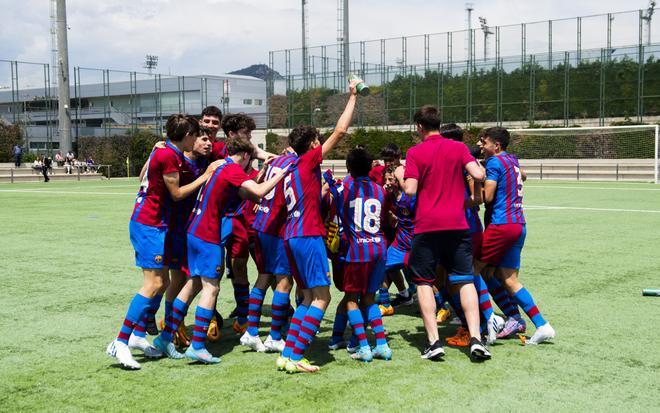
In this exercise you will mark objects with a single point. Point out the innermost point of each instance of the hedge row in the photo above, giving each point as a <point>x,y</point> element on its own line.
<point>115,150</point>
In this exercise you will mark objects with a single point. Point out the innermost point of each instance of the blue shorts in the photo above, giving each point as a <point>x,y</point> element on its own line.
<point>511,258</point>
<point>308,261</point>
<point>205,259</point>
<point>226,227</point>
<point>270,255</point>
<point>148,243</point>
<point>396,259</point>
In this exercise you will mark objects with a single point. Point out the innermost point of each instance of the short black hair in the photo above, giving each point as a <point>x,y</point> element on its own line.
<point>301,137</point>
<point>499,135</point>
<point>428,118</point>
<point>212,111</point>
<point>203,130</point>
<point>358,162</point>
<point>236,122</point>
<point>475,151</point>
<point>391,152</point>
<point>452,131</point>
<point>237,145</point>
<point>179,125</point>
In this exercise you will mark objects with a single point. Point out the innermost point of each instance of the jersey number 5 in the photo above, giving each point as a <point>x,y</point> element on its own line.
<point>289,195</point>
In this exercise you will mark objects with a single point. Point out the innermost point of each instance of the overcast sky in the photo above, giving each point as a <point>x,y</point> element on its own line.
<point>217,36</point>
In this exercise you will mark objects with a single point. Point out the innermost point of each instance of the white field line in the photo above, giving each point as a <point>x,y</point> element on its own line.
<point>590,187</point>
<point>36,191</point>
<point>559,208</point>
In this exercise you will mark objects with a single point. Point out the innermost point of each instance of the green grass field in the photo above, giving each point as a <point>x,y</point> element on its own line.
<point>68,275</point>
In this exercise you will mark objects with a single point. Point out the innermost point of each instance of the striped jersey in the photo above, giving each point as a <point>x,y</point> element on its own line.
<point>507,204</point>
<point>271,213</point>
<point>361,208</point>
<point>153,202</point>
<point>472,214</point>
<point>404,211</point>
<point>302,192</point>
<point>219,194</point>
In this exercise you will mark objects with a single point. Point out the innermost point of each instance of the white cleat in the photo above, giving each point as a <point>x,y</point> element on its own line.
<point>274,346</point>
<point>495,325</point>
<point>543,333</point>
<point>122,353</point>
<point>142,344</point>
<point>254,342</point>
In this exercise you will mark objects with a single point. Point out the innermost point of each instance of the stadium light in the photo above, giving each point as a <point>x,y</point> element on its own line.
<point>487,32</point>
<point>648,18</point>
<point>150,62</point>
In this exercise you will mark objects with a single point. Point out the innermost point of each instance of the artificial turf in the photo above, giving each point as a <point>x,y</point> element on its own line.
<point>68,275</point>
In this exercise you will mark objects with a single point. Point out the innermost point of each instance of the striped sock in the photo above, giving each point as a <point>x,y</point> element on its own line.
<point>179,311</point>
<point>455,302</point>
<point>203,318</point>
<point>141,327</point>
<point>485,305</point>
<point>376,321</point>
<point>168,311</point>
<point>384,297</point>
<point>136,309</point>
<point>279,312</point>
<point>339,327</point>
<point>308,329</point>
<point>255,302</point>
<point>241,296</point>
<point>525,300</point>
<point>357,322</point>
<point>294,329</point>
<point>439,300</point>
<point>502,298</point>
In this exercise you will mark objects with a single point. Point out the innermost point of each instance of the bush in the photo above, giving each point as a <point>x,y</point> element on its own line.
<point>114,150</point>
<point>10,135</point>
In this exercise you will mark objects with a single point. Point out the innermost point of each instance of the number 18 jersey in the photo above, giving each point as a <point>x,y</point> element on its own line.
<point>507,205</point>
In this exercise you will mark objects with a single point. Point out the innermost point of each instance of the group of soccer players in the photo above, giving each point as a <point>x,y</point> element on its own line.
<point>202,206</point>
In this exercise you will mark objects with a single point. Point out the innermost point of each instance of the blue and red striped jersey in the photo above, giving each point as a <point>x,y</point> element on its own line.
<point>507,205</point>
<point>153,201</point>
<point>271,213</point>
<point>302,192</point>
<point>219,194</point>
<point>404,211</point>
<point>361,206</point>
<point>472,214</point>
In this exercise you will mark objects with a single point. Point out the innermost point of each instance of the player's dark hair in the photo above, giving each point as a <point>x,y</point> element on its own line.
<point>212,111</point>
<point>203,130</point>
<point>389,170</point>
<point>475,151</point>
<point>428,118</point>
<point>391,152</point>
<point>236,122</point>
<point>179,125</point>
<point>358,162</point>
<point>301,137</point>
<point>499,135</point>
<point>237,145</point>
<point>452,131</point>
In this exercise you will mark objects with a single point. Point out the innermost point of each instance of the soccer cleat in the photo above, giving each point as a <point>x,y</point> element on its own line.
<point>233,313</point>
<point>401,300</point>
<point>351,349</point>
<point>202,355</point>
<point>122,353</point>
<point>213,333</point>
<point>281,362</point>
<point>456,321</point>
<point>142,344</point>
<point>167,348</point>
<point>543,333</point>
<point>443,315</point>
<point>239,328</point>
<point>433,351</point>
<point>300,366</point>
<point>253,342</point>
<point>478,351</point>
<point>386,310</point>
<point>219,320</point>
<point>461,339</point>
<point>382,352</point>
<point>336,345</point>
<point>180,337</point>
<point>274,346</point>
<point>363,354</point>
<point>151,327</point>
<point>512,327</point>
<point>495,325</point>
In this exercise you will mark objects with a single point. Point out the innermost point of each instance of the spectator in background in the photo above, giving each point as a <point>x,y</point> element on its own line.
<point>70,157</point>
<point>47,165</point>
<point>59,159</point>
<point>18,154</point>
<point>68,165</point>
<point>37,165</point>
<point>90,165</point>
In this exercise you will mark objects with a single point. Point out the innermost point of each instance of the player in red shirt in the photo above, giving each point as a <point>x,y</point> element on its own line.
<point>148,227</point>
<point>435,172</point>
<point>304,236</point>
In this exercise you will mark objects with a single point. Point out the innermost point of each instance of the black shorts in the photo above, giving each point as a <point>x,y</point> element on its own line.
<point>451,249</point>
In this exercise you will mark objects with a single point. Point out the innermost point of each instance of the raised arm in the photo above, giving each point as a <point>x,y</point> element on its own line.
<point>254,191</point>
<point>476,171</point>
<point>344,120</point>
<point>182,192</point>
<point>409,185</point>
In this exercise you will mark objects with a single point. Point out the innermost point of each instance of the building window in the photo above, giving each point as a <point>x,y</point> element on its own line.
<point>247,101</point>
<point>259,102</point>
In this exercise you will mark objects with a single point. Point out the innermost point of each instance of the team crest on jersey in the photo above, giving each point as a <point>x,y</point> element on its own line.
<point>158,259</point>
<point>405,212</point>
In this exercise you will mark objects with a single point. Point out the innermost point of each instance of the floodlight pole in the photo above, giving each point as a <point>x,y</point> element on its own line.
<point>63,95</point>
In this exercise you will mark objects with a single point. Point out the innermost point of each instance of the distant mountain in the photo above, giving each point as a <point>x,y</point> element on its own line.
<point>261,71</point>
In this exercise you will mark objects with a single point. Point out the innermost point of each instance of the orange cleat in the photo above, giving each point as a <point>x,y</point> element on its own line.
<point>213,333</point>
<point>386,311</point>
<point>461,339</point>
<point>239,328</point>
